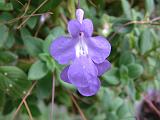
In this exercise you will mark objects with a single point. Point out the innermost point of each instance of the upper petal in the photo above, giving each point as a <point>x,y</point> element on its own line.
<point>87,27</point>
<point>103,67</point>
<point>64,75</point>
<point>79,15</point>
<point>74,27</point>
<point>99,48</point>
<point>62,49</point>
<point>82,71</point>
<point>92,89</point>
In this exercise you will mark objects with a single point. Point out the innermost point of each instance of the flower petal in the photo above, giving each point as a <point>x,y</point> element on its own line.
<point>79,15</point>
<point>82,71</point>
<point>92,89</point>
<point>103,67</point>
<point>87,27</point>
<point>74,27</point>
<point>99,48</point>
<point>62,49</point>
<point>64,75</point>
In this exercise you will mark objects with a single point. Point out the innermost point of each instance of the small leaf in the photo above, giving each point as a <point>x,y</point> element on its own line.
<point>126,8</point>
<point>25,32</point>
<point>111,77</point>
<point>149,4</point>
<point>32,22</point>
<point>48,60</point>
<point>124,74</point>
<point>37,71</point>
<point>135,70</point>
<point>3,34</point>
<point>145,42</point>
<point>6,6</point>
<point>33,45</point>
<point>7,58</point>
<point>123,111</point>
<point>10,40</point>
<point>126,58</point>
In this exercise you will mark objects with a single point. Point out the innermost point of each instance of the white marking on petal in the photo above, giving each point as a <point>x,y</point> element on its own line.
<point>81,47</point>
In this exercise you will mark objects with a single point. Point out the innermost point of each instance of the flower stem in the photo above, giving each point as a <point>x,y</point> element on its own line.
<point>53,91</point>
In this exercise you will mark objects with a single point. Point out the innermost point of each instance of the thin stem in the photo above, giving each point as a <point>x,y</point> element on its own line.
<point>28,110</point>
<point>151,22</point>
<point>18,18</point>
<point>26,8</point>
<point>32,14</point>
<point>20,2</point>
<point>53,93</point>
<point>24,98</point>
<point>79,109</point>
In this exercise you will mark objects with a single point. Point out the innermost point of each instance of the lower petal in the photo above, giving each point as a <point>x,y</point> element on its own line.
<point>90,90</point>
<point>64,75</point>
<point>62,49</point>
<point>99,48</point>
<point>103,67</point>
<point>82,71</point>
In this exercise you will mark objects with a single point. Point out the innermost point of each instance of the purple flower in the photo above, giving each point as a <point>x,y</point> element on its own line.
<point>86,55</point>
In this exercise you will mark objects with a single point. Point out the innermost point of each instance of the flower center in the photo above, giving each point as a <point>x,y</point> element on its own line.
<point>81,47</point>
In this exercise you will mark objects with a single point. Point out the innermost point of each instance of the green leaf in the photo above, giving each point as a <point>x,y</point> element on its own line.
<point>2,99</point>
<point>111,77</point>
<point>33,45</point>
<point>10,40</point>
<point>123,111</point>
<point>6,6</point>
<point>44,86</point>
<point>135,70</point>
<point>126,8</point>
<point>3,34</point>
<point>116,103</point>
<point>7,58</point>
<point>37,71</point>
<point>13,81</point>
<point>131,89</point>
<point>32,22</point>
<point>145,42</point>
<point>24,32</point>
<point>8,107</point>
<point>49,60</point>
<point>34,110</point>
<point>124,74</point>
<point>126,58</point>
<point>149,4</point>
